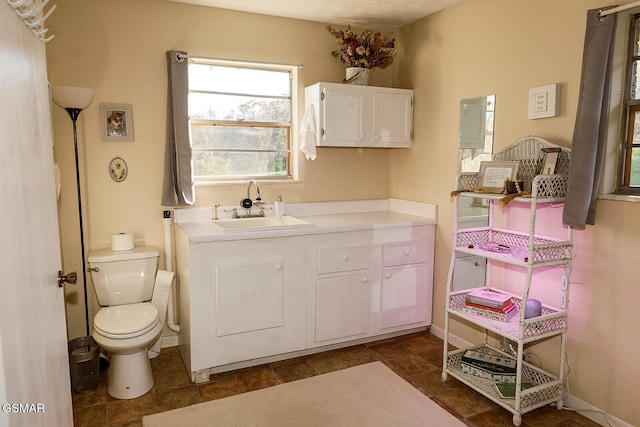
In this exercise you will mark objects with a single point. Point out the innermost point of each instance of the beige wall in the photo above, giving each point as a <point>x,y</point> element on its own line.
<point>118,49</point>
<point>477,48</point>
<point>493,47</point>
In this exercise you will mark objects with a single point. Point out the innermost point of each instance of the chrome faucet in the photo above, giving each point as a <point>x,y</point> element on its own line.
<point>258,200</point>
<point>248,202</point>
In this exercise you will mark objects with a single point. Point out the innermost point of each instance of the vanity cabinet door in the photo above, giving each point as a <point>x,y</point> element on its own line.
<point>342,307</point>
<point>249,297</point>
<point>469,272</point>
<point>406,296</point>
<point>407,282</point>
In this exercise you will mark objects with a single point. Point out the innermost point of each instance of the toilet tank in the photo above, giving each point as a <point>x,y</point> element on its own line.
<point>124,277</point>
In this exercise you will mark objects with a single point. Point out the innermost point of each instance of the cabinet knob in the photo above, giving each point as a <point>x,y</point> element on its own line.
<point>365,279</point>
<point>406,252</point>
<point>345,258</point>
<point>387,276</point>
<point>279,267</point>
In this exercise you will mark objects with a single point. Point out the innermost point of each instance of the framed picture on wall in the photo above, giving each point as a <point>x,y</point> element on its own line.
<point>117,122</point>
<point>492,175</point>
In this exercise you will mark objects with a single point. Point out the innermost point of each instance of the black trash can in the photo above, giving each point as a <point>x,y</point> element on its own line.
<point>84,364</point>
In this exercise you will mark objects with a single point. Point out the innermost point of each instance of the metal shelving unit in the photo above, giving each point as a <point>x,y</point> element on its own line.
<point>529,252</point>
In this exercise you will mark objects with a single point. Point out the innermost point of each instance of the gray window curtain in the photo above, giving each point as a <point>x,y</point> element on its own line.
<point>589,134</point>
<point>178,188</point>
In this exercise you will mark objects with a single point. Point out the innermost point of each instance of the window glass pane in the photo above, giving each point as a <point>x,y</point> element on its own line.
<point>636,44</point>
<point>239,164</point>
<point>634,88</point>
<point>238,138</point>
<point>634,170</point>
<point>636,127</point>
<point>216,78</point>
<point>234,107</point>
<point>240,116</point>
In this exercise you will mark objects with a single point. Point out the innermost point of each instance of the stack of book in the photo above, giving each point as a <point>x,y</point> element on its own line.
<point>489,304</point>
<point>508,390</point>
<point>490,366</point>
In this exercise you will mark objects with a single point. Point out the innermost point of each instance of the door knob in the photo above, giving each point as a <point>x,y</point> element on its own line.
<point>70,278</point>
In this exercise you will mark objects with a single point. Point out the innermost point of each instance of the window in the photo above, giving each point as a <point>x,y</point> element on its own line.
<point>629,162</point>
<point>240,119</point>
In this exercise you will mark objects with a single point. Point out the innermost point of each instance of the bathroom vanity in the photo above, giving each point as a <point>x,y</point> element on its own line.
<point>359,272</point>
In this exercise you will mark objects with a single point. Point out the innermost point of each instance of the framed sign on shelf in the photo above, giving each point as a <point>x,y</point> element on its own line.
<point>548,160</point>
<point>492,175</point>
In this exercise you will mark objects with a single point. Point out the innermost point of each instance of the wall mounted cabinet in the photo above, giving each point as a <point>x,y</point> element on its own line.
<point>361,116</point>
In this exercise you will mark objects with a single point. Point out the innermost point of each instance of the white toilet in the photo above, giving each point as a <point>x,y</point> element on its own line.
<point>127,285</point>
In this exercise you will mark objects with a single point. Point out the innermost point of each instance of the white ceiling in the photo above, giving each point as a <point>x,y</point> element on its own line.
<point>376,14</point>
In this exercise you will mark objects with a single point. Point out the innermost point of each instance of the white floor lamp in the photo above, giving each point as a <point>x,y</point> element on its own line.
<point>74,100</point>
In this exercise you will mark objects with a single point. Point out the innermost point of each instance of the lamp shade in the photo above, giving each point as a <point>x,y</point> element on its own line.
<point>72,97</point>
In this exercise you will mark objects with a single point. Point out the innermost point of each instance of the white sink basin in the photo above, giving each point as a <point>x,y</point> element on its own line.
<point>265,223</point>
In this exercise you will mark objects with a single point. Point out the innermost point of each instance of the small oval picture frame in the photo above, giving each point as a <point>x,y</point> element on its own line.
<point>118,169</point>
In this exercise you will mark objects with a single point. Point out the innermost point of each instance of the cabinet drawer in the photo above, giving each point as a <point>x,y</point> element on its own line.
<point>334,260</point>
<point>401,253</point>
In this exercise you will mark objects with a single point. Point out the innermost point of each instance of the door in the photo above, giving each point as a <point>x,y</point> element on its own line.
<point>392,118</point>
<point>345,117</point>
<point>34,367</point>
<point>406,296</point>
<point>342,307</point>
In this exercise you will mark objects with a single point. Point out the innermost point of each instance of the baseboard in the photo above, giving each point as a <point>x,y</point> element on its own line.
<point>453,339</point>
<point>170,341</point>
<point>594,414</point>
<point>570,402</point>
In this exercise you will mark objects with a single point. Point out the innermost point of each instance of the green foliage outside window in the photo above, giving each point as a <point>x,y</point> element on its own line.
<point>239,130</point>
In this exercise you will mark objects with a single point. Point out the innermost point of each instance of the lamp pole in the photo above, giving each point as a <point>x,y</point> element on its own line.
<point>74,113</point>
<point>74,100</point>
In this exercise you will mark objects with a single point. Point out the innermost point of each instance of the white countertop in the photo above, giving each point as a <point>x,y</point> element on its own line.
<point>332,217</point>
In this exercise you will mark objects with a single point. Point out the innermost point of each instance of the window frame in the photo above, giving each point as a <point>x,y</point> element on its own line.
<point>289,127</point>
<point>630,107</point>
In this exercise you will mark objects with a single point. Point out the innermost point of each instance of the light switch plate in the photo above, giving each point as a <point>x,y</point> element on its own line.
<point>544,101</point>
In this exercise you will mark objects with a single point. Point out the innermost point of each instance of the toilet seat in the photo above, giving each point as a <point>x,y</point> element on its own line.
<point>126,321</point>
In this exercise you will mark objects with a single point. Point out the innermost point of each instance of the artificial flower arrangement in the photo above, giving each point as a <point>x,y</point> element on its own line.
<point>367,50</point>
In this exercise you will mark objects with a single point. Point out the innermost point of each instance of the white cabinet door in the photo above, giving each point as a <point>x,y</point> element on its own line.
<point>469,272</point>
<point>406,296</point>
<point>249,297</point>
<point>342,307</point>
<point>345,115</point>
<point>392,117</point>
<point>242,300</point>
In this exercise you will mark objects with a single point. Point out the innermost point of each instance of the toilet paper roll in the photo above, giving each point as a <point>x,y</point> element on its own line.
<point>122,242</point>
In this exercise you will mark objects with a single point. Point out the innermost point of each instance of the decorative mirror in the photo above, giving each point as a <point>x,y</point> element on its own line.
<point>475,143</point>
<point>475,139</point>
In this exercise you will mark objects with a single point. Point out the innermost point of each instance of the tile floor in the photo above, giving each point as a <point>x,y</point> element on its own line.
<point>416,357</point>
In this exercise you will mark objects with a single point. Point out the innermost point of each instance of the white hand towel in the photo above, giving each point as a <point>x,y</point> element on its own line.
<point>308,133</point>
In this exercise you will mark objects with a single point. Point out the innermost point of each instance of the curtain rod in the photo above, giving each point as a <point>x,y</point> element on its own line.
<point>619,8</point>
<point>181,57</point>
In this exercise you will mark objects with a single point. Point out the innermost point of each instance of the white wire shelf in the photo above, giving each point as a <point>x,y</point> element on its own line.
<point>551,322</point>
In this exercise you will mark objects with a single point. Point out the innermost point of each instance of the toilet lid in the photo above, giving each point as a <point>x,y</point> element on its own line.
<point>121,320</point>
